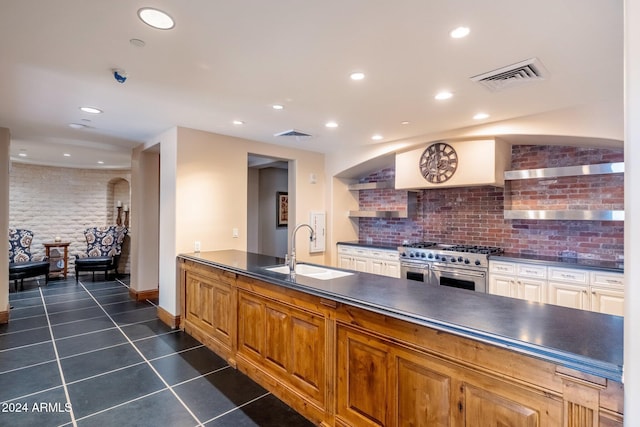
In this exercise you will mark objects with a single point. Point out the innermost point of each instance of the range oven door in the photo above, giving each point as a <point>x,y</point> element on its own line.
<point>473,280</point>
<point>418,271</point>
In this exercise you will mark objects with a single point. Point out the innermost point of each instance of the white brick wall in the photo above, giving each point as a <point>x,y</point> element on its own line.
<point>53,201</point>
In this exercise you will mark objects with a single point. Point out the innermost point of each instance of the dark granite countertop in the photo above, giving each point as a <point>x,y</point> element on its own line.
<point>373,244</point>
<point>586,341</point>
<point>589,264</point>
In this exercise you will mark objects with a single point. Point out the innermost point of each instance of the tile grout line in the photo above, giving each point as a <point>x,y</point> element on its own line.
<point>55,350</point>
<point>169,387</point>
<point>238,407</point>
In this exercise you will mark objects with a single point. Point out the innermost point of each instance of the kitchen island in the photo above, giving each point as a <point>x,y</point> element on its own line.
<point>371,350</point>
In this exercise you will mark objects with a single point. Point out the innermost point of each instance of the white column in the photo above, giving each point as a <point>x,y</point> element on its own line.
<point>632,214</point>
<point>5,139</point>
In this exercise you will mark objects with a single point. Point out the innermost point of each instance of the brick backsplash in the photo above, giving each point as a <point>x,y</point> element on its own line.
<point>54,201</point>
<point>475,215</point>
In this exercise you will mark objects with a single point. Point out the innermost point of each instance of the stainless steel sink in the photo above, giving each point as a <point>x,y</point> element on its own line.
<point>314,271</point>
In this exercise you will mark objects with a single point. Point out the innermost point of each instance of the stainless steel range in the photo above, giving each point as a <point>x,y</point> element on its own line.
<point>458,266</point>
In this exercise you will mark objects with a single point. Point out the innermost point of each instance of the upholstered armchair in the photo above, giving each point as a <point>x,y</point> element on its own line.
<point>104,247</point>
<point>21,264</point>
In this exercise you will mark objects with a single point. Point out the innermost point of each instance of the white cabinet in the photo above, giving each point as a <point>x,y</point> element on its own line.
<point>592,290</point>
<point>578,288</point>
<point>569,287</point>
<point>568,295</point>
<point>369,260</point>
<point>607,293</point>
<point>518,280</point>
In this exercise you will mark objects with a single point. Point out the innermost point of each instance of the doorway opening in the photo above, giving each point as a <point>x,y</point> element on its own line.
<point>268,214</point>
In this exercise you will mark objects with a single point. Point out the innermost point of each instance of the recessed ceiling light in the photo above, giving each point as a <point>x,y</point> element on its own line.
<point>67,155</point>
<point>460,32</point>
<point>481,116</point>
<point>357,75</point>
<point>405,123</point>
<point>77,126</point>
<point>22,154</point>
<point>377,137</point>
<point>443,95</point>
<point>238,122</point>
<point>100,162</point>
<point>277,107</point>
<point>156,18</point>
<point>91,110</point>
<point>331,124</point>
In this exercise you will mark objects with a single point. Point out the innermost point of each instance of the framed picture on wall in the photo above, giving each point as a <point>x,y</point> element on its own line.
<point>282,209</point>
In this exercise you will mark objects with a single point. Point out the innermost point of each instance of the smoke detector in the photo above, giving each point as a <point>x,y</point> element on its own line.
<point>524,72</point>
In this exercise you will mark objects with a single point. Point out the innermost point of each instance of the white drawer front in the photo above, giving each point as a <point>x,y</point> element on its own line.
<point>607,279</point>
<point>569,275</point>
<point>343,249</point>
<point>529,270</point>
<point>502,267</point>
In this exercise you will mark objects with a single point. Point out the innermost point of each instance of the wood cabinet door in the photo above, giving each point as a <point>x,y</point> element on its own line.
<point>423,395</point>
<point>502,285</point>
<point>363,368</point>
<point>199,307</point>
<point>568,295</point>
<point>251,325</point>
<point>288,342</point>
<point>607,300</point>
<point>532,290</point>
<point>345,261</point>
<point>361,264</point>
<point>483,408</point>
<point>377,267</point>
<point>222,312</point>
<point>392,269</point>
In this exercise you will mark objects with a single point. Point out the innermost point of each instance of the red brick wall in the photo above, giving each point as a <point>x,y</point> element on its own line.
<point>475,215</point>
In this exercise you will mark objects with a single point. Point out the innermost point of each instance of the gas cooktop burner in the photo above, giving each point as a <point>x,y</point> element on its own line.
<point>474,249</point>
<point>419,245</point>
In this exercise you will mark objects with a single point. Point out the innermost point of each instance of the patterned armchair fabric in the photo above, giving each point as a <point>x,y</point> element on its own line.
<point>104,246</point>
<point>21,264</point>
<point>20,245</point>
<point>104,241</point>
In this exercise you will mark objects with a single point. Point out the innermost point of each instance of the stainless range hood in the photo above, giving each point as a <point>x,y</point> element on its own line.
<point>479,162</point>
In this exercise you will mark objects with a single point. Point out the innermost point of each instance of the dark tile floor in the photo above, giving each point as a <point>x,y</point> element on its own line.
<point>87,355</point>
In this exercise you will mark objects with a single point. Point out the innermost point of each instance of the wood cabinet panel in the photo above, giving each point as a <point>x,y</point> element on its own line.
<point>251,324</point>
<point>286,341</point>
<point>276,333</point>
<point>423,395</point>
<point>307,338</point>
<point>362,379</point>
<point>487,409</point>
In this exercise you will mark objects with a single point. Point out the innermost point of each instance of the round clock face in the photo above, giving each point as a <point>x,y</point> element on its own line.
<point>438,163</point>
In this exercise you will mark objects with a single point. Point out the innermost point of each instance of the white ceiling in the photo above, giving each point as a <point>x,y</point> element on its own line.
<point>231,60</point>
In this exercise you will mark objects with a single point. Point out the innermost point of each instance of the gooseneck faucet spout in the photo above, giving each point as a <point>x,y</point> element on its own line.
<point>292,257</point>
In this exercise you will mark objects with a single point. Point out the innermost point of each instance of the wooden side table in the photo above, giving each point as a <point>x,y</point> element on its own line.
<point>58,263</point>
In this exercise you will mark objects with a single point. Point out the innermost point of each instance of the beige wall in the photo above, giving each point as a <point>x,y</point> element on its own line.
<point>145,218</point>
<point>203,196</point>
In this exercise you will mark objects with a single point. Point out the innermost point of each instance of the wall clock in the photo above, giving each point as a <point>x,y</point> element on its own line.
<point>438,162</point>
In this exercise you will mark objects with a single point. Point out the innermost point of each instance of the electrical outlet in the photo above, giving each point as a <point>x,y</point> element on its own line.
<point>196,246</point>
<point>235,233</point>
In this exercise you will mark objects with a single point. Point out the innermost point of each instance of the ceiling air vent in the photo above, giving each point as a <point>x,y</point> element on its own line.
<point>298,135</point>
<point>518,74</point>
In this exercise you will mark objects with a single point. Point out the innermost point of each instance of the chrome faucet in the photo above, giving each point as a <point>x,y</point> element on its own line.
<point>292,257</point>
